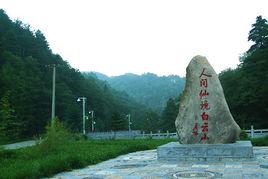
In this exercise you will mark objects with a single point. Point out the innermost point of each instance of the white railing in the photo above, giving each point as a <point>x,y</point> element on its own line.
<point>158,135</point>
<point>130,134</point>
<point>253,133</point>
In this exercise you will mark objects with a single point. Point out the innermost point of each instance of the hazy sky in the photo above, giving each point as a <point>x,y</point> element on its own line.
<point>138,36</point>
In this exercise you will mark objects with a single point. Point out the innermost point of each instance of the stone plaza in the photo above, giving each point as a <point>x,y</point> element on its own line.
<point>144,165</point>
<point>207,146</point>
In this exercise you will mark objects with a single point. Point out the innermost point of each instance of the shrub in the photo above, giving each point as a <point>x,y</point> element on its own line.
<point>244,136</point>
<point>262,141</point>
<point>6,153</point>
<point>66,154</point>
<point>55,137</point>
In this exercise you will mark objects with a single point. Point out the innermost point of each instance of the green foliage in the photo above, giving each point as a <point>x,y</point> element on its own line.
<point>262,141</point>
<point>5,154</point>
<point>117,122</point>
<point>259,34</point>
<point>148,89</point>
<point>26,83</point>
<point>244,136</point>
<point>246,87</point>
<point>31,163</point>
<point>151,124</point>
<point>9,124</point>
<point>56,136</point>
<point>169,115</point>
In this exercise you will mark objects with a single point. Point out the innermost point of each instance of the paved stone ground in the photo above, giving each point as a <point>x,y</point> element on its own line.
<point>144,165</point>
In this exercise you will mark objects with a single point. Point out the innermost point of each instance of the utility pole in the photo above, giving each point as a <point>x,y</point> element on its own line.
<point>84,116</point>
<point>53,93</point>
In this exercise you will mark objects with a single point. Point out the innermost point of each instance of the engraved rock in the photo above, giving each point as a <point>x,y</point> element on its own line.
<point>204,116</point>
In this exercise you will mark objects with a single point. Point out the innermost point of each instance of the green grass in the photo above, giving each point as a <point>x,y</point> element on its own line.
<point>34,163</point>
<point>262,141</point>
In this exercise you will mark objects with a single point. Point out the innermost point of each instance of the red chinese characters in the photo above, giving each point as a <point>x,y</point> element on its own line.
<point>204,104</point>
<point>203,83</point>
<point>204,137</point>
<point>204,107</point>
<point>195,129</point>
<point>205,127</point>
<point>204,116</point>
<point>203,93</point>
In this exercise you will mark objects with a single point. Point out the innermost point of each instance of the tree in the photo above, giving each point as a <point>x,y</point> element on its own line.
<point>259,34</point>
<point>169,116</point>
<point>117,122</point>
<point>9,126</point>
<point>151,121</point>
<point>24,57</point>
<point>246,87</point>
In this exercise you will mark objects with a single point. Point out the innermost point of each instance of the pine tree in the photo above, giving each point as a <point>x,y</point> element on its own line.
<point>117,122</point>
<point>259,34</point>
<point>9,126</point>
<point>169,116</point>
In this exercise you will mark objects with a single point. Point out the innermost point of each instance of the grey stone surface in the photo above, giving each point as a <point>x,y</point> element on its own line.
<point>144,165</point>
<point>174,151</point>
<point>20,144</point>
<point>204,116</point>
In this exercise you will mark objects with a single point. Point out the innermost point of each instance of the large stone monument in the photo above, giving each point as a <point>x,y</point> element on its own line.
<point>205,126</point>
<point>204,116</point>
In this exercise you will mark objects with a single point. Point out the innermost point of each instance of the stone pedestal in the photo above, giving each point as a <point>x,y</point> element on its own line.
<point>174,151</point>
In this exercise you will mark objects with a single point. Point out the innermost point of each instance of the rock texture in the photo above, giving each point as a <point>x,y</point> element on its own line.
<point>204,116</point>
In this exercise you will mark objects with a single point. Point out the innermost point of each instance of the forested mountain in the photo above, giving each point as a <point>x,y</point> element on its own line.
<point>246,87</point>
<point>26,82</point>
<point>148,89</point>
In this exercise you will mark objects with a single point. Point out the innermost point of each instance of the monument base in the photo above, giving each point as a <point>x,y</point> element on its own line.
<point>174,151</point>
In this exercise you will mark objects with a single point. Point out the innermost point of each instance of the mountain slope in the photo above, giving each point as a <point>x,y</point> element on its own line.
<point>148,89</point>
<point>25,87</point>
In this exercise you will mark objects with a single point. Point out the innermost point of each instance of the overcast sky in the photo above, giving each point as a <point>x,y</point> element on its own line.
<point>119,36</point>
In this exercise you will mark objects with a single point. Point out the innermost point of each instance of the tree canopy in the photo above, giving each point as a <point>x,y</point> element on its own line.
<point>26,83</point>
<point>246,87</point>
<point>259,34</point>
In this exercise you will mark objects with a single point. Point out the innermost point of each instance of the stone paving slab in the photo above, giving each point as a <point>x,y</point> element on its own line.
<point>144,165</point>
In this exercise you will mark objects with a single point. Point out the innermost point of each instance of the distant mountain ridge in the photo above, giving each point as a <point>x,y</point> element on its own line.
<point>148,89</point>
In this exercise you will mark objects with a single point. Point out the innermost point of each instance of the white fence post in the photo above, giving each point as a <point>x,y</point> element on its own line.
<point>252,131</point>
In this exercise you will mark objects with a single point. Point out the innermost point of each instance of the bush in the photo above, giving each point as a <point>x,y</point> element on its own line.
<point>262,141</point>
<point>6,153</point>
<point>55,137</point>
<point>244,136</point>
<point>59,151</point>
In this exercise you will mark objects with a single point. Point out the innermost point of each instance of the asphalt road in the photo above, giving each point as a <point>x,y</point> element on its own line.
<point>20,144</point>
